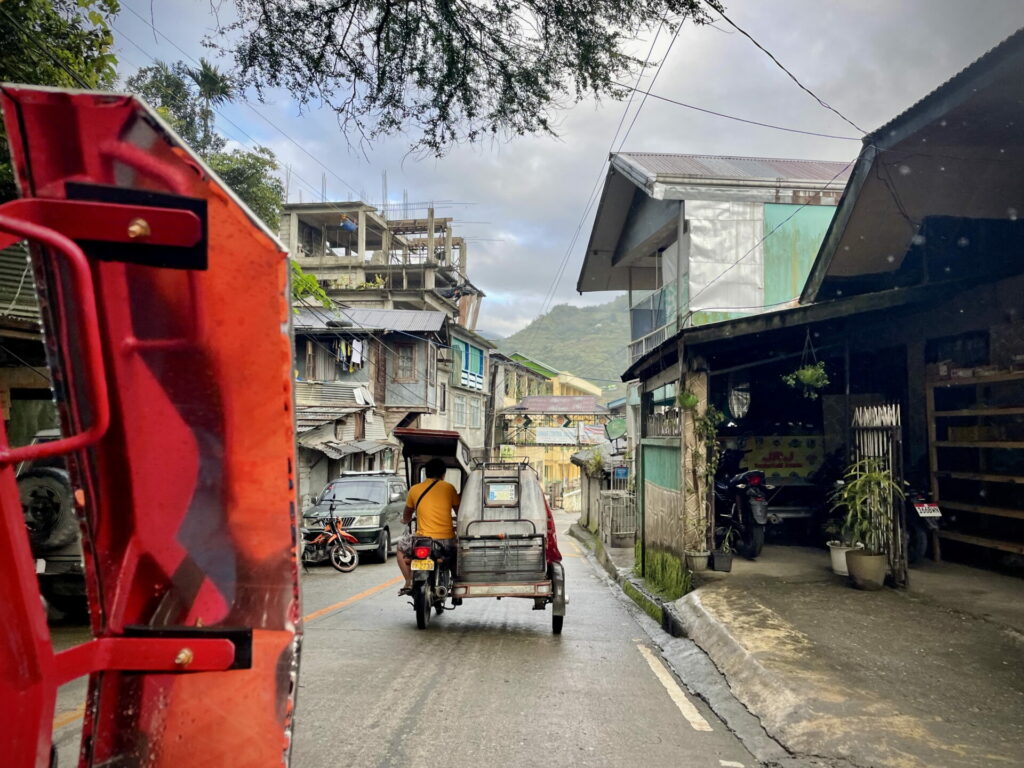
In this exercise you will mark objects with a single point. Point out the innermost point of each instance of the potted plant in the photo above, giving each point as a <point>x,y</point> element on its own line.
<point>868,495</point>
<point>697,560</point>
<point>687,400</point>
<point>721,558</point>
<point>810,377</point>
<point>837,539</point>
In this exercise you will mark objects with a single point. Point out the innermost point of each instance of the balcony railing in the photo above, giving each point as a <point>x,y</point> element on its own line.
<point>641,347</point>
<point>662,425</point>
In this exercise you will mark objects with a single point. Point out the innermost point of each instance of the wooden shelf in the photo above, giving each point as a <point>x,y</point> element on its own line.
<point>982,412</point>
<point>985,477</point>
<point>972,380</point>
<point>1017,514</point>
<point>979,444</point>
<point>1005,546</point>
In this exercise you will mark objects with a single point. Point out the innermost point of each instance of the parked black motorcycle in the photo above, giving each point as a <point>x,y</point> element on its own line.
<point>741,504</point>
<point>432,564</point>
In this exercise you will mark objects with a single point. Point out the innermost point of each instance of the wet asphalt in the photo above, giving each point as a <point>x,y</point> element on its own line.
<point>486,684</point>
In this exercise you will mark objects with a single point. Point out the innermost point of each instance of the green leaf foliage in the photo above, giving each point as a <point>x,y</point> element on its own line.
<point>589,342</point>
<point>65,43</point>
<point>444,72</point>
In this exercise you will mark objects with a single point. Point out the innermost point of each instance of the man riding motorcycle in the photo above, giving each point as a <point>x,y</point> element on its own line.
<point>432,501</point>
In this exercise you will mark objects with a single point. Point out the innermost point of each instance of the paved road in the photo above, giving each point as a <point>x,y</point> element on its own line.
<point>485,685</point>
<point>488,684</point>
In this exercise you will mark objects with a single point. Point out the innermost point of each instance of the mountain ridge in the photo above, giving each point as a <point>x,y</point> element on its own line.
<point>589,342</point>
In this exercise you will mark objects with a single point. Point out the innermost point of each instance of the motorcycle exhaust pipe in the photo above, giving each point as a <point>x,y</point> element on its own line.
<point>774,519</point>
<point>441,591</point>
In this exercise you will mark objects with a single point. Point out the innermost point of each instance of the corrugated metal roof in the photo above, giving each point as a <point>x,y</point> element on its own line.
<point>558,404</point>
<point>17,286</point>
<point>363,319</point>
<point>661,166</point>
<point>308,417</point>
<point>993,57</point>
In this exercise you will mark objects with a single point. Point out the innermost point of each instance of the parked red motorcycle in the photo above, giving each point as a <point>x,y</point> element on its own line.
<point>332,543</point>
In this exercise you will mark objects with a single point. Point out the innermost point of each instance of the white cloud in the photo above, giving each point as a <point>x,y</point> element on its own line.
<point>869,58</point>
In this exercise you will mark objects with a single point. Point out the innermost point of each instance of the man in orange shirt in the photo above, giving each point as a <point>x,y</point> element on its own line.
<point>432,501</point>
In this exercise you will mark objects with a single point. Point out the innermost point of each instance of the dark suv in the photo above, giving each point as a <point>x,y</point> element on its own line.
<point>369,505</point>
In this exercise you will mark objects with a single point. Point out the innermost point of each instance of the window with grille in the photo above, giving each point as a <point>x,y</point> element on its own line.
<point>459,402</point>
<point>405,370</point>
<point>475,419</point>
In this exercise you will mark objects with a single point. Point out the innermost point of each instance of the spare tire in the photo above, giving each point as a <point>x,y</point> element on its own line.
<point>48,502</point>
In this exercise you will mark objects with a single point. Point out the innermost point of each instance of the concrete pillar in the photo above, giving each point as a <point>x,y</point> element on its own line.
<point>361,236</point>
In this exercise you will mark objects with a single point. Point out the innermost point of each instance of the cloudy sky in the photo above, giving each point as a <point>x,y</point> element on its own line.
<point>519,203</point>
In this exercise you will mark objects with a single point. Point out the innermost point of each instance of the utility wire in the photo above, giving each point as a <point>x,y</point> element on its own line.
<point>779,64</point>
<point>740,119</point>
<point>594,192</point>
<point>44,49</point>
<point>259,114</point>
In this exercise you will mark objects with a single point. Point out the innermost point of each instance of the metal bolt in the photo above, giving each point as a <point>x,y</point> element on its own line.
<point>184,657</point>
<point>138,228</point>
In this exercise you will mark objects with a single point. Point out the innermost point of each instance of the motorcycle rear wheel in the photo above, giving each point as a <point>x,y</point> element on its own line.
<point>753,541</point>
<point>421,603</point>
<point>344,558</point>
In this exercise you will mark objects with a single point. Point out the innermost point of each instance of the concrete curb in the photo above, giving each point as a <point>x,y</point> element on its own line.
<point>765,694</point>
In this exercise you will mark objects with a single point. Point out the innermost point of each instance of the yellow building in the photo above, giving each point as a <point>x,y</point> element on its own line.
<point>548,429</point>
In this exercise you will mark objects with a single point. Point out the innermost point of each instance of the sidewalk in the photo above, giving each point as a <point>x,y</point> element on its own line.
<point>928,677</point>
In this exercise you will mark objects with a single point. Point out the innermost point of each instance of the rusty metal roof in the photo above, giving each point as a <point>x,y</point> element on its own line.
<point>662,166</point>
<point>558,404</point>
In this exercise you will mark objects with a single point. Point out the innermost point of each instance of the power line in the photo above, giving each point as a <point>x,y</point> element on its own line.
<point>779,64</point>
<point>44,49</point>
<point>741,119</point>
<point>592,197</point>
<point>259,114</point>
<point>654,79</point>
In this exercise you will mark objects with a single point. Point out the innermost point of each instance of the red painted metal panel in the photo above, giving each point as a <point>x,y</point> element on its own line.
<point>189,513</point>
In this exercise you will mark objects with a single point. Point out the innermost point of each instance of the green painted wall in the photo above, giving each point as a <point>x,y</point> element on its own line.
<point>790,251</point>
<point>661,466</point>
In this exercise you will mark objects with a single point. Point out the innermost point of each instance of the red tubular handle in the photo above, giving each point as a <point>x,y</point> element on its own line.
<point>90,331</point>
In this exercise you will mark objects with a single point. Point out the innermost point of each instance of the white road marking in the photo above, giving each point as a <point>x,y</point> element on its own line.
<point>693,717</point>
<point>730,764</point>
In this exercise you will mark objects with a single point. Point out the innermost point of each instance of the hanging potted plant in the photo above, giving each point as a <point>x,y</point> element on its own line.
<point>721,558</point>
<point>811,378</point>
<point>868,495</point>
<point>687,400</point>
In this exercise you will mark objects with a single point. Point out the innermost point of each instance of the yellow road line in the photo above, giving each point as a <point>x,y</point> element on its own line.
<point>66,718</point>
<point>350,600</point>
<point>686,707</point>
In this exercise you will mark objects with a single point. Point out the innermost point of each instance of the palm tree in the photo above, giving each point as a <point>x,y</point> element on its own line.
<point>215,87</point>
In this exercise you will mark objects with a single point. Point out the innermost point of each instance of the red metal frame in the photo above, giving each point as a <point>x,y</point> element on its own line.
<point>38,220</point>
<point>180,448</point>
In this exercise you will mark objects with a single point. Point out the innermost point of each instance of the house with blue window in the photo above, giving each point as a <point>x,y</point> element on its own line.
<point>697,240</point>
<point>464,389</point>
<point>687,237</point>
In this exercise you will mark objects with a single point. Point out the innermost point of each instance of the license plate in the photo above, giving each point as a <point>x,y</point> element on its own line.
<point>423,565</point>
<point>928,510</point>
<point>40,566</point>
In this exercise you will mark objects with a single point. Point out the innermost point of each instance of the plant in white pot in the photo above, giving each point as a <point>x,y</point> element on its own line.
<point>868,496</point>
<point>837,537</point>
